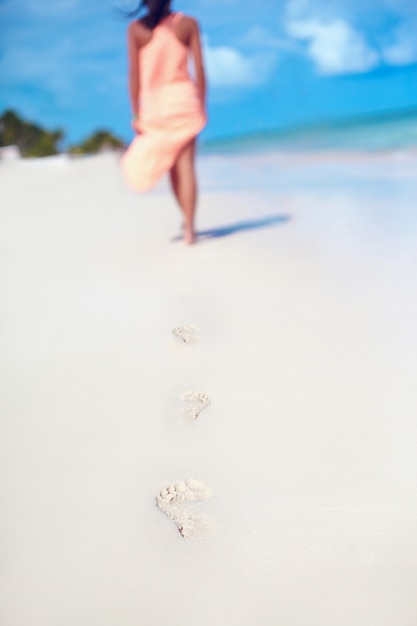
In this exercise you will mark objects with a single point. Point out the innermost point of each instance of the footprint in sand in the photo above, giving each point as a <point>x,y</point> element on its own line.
<point>172,501</point>
<point>199,402</point>
<point>186,333</point>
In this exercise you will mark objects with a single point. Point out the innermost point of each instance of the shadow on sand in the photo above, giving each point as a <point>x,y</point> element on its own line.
<point>239,227</point>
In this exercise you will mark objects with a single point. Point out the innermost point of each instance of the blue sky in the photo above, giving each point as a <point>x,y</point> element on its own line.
<point>271,63</point>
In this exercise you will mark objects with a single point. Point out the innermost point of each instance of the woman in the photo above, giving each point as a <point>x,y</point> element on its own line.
<point>168,106</point>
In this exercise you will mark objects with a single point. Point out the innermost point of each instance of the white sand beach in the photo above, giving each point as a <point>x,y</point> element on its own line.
<point>304,289</point>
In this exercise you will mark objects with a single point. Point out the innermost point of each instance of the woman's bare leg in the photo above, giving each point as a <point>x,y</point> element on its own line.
<point>184,185</point>
<point>174,184</point>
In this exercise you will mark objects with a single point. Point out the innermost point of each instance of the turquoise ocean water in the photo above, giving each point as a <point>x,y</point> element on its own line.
<point>381,157</point>
<point>397,131</point>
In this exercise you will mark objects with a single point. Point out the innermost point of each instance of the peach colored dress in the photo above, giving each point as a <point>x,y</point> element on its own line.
<point>170,112</point>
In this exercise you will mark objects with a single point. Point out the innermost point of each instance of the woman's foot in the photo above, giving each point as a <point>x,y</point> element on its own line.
<point>189,235</point>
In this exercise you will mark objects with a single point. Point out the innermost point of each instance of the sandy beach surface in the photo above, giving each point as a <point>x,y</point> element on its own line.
<point>304,290</point>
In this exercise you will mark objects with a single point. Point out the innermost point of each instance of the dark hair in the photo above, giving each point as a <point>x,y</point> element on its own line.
<point>156,10</point>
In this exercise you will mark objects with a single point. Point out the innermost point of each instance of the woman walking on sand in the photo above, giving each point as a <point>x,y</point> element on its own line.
<point>168,106</point>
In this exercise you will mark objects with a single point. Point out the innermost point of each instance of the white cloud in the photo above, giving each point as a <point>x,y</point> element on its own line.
<point>337,33</point>
<point>403,49</point>
<point>334,45</point>
<point>262,38</point>
<point>228,67</point>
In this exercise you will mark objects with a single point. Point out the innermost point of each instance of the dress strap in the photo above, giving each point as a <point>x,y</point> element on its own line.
<point>177,17</point>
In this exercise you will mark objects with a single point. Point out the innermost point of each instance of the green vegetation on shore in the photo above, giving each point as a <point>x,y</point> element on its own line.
<point>31,139</point>
<point>99,141</point>
<point>35,141</point>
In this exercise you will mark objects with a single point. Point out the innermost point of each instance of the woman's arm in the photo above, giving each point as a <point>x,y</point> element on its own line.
<point>132,47</point>
<point>195,46</point>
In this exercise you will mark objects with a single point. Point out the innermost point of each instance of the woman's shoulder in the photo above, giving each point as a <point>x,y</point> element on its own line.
<point>136,26</point>
<point>138,31</point>
<point>187,21</point>
<point>185,17</point>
